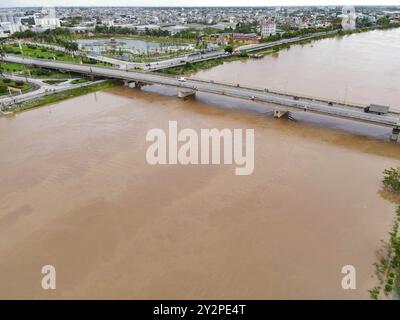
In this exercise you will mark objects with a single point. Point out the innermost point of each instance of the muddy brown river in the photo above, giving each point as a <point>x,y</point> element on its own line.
<point>77,193</point>
<point>361,68</point>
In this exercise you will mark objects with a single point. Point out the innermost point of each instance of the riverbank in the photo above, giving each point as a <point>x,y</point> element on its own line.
<point>387,269</point>
<point>60,96</point>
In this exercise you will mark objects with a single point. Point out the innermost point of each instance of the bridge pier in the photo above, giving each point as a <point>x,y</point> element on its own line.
<point>91,77</point>
<point>280,113</point>
<point>133,84</point>
<point>186,94</point>
<point>139,84</point>
<point>395,134</point>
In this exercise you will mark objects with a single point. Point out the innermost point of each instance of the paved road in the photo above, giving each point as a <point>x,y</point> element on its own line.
<point>285,101</point>
<point>43,89</point>
<point>161,64</point>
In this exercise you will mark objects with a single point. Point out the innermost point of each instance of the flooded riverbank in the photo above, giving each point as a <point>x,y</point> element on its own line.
<point>77,193</point>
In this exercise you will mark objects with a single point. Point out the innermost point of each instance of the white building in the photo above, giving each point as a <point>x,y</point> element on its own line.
<point>8,24</point>
<point>268,28</point>
<point>8,28</point>
<point>108,22</point>
<point>7,17</point>
<point>49,21</point>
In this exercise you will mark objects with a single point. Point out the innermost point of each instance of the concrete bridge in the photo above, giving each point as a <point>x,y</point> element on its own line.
<point>283,102</point>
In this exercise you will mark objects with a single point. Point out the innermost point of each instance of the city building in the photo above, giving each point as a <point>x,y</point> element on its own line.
<point>249,38</point>
<point>8,24</point>
<point>268,28</point>
<point>49,21</point>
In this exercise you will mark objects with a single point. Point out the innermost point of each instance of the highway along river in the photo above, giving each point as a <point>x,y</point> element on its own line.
<point>76,193</point>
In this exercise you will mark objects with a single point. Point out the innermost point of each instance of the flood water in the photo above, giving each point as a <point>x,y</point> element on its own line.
<point>76,192</point>
<point>361,68</point>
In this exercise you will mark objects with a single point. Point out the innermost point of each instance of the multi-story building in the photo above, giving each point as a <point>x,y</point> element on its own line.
<point>49,21</point>
<point>8,24</point>
<point>268,28</point>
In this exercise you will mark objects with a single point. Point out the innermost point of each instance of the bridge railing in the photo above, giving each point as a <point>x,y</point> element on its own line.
<point>284,93</point>
<point>293,94</point>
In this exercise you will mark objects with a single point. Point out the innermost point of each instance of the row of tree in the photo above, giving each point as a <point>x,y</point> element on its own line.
<point>58,36</point>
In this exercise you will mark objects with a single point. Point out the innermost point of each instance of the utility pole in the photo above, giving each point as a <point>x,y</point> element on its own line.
<point>20,47</point>
<point>345,93</point>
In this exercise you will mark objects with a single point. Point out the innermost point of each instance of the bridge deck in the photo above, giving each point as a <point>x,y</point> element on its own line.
<point>286,101</point>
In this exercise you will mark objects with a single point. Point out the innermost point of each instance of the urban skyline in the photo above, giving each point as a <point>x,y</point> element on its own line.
<point>196,3</point>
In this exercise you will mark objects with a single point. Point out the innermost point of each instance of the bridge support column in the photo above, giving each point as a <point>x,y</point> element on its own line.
<point>139,84</point>
<point>395,134</point>
<point>280,113</point>
<point>186,94</point>
<point>133,84</point>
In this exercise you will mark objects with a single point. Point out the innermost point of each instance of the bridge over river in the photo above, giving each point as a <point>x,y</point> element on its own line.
<point>283,102</point>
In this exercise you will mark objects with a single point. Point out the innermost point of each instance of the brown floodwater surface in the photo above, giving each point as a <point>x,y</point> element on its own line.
<point>76,191</point>
<point>361,68</point>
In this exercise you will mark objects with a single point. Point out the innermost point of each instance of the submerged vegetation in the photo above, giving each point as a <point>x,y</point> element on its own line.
<point>387,269</point>
<point>391,179</point>
<point>190,68</point>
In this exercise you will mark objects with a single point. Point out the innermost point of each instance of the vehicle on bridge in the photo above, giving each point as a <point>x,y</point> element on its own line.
<point>377,109</point>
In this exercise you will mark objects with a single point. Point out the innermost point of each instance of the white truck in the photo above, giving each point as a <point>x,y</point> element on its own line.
<point>377,109</point>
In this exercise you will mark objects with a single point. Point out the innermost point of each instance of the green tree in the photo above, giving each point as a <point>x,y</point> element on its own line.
<point>229,48</point>
<point>383,21</point>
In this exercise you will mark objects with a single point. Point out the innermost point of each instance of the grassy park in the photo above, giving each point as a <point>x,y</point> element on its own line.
<point>19,69</point>
<point>8,83</point>
<point>39,52</point>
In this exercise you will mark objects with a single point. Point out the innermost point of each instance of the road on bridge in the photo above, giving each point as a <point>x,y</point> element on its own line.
<point>289,102</point>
